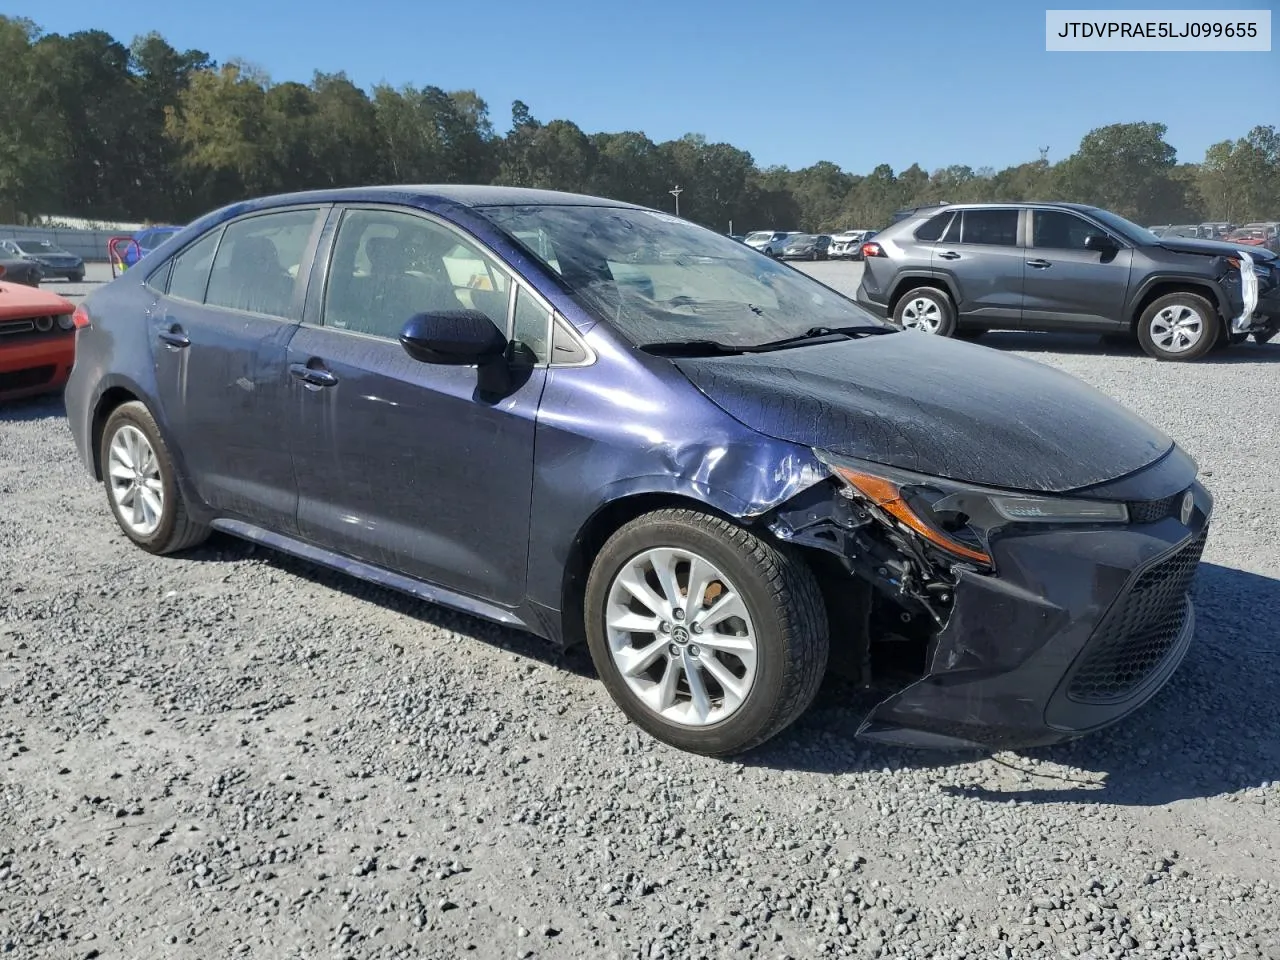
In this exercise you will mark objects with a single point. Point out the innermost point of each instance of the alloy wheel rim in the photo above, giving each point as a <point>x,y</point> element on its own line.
<point>1177,328</point>
<point>681,636</point>
<point>136,486</point>
<point>923,314</point>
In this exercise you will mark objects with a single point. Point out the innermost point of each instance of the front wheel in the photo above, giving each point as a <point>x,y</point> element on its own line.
<point>707,637</point>
<point>77,277</point>
<point>926,309</point>
<point>141,483</point>
<point>1178,327</point>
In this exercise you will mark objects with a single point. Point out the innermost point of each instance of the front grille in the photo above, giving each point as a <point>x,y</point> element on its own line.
<point>16,326</point>
<point>1137,633</point>
<point>1149,511</point>
<point>30,328</point>
<point>28,378</point>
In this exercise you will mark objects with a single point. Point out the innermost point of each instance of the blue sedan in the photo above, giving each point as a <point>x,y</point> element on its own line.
<point>601,423</point>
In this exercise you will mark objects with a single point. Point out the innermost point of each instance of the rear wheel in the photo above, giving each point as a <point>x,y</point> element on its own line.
<point>1178,326</point>
<point>141,484</point>
<point>926,309</point>
<point>707,637</point>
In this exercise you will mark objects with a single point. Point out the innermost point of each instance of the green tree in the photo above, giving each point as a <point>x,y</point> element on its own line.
<point>161,75</point>
<point>29,135</point>
<point>1240,180</point>
<point>1125,167</point>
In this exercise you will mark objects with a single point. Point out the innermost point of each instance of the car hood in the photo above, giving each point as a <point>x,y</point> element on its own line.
<point>19,301</point>
<point>935,406</point>
<point>1217,248</point>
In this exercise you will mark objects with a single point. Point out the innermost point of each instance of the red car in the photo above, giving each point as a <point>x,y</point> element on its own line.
<point>37,341</point>
<point>1257,235</point>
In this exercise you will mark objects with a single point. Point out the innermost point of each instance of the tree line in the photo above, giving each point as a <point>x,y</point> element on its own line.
<point>96,128</point>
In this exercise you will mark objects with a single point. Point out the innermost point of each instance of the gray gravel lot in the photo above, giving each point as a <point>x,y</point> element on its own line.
<point>235,754</point>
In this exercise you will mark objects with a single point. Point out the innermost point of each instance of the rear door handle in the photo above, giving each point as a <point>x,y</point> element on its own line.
<point>949,255</point>
<point>313,376</point>
<point>1039,264</point>
<point>174,337</point>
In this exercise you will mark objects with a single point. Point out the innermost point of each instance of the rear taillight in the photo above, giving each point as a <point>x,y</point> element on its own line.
<point>872,249</point>
<point>81,317</point>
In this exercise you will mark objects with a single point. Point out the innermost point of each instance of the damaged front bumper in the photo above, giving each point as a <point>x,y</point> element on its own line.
<point>1258,312</point>
<point>1072,630</point>
<point>1080,630</point>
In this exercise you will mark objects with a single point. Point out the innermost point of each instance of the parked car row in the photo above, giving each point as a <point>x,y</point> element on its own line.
<point>795,245</point>
<point>1263,233</point>
<point>962,269</point>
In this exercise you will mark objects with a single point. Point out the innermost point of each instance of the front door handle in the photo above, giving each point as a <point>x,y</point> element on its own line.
<point>174,337</point>
<point>1039,264</point>
<point>312,376</point>
<point>949,255</point>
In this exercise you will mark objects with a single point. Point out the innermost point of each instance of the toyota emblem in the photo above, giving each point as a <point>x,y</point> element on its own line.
<point>1188,504</point>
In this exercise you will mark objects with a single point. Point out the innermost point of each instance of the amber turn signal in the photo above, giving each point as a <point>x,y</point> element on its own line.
<point>887,495</point>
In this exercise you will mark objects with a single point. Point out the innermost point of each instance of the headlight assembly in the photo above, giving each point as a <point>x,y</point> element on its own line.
<point>958,518</point>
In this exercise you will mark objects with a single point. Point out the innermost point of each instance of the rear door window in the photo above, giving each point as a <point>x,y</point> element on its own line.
<point>990,227</point>
<point>258,262</point>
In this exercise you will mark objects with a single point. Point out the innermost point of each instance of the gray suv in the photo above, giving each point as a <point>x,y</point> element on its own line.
<point>962,269</point>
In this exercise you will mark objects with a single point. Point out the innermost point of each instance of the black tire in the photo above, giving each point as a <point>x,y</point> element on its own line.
<point>77,277</point>
<point>1264,336</point>
<point>176,530</point>
<point>1211,327</point>
<point>939,298</point>
<point>785,605</point>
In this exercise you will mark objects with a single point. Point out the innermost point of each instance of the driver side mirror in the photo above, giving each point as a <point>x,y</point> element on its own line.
<point>1099,243</point>
<point>453,337</point>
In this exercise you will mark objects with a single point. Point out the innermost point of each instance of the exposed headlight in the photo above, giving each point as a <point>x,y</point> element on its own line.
<point>958,518</point>
<point>1053,510</point>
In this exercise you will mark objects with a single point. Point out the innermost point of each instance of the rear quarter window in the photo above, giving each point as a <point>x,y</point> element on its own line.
<point>933,228</point>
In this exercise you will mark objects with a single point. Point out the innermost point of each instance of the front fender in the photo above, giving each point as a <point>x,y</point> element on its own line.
<point>1210,288</point>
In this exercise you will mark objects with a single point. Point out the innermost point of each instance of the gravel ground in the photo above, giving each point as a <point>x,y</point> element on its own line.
<point>234,754</point>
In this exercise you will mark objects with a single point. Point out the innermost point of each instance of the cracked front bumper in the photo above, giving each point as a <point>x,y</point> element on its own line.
<point>1079,629</point>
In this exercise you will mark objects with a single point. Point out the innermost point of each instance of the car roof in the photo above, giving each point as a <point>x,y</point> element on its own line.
<point>464,195</point>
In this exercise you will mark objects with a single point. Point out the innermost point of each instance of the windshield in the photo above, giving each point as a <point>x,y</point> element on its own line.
<point>658,279</point>
<point>1126,228</point>
<point>760,235</point>
<point>36,246</point>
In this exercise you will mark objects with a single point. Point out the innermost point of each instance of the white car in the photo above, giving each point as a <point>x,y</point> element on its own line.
<point>845,244</point>
<point>769,242</point>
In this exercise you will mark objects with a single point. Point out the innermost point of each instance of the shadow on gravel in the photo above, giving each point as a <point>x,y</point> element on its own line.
<point>47,407</point>
<point>1089,344</point>
<point>1215,729</point>
<point>221,547</point>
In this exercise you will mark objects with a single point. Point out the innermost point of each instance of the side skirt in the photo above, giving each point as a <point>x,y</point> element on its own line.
<point>374,574</point>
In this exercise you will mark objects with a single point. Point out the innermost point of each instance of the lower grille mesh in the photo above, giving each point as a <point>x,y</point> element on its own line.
<point>1138,632</point>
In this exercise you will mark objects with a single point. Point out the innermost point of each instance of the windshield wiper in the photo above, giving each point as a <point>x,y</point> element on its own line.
<point>714,348</point>
<point>818,334</point>
<point>690,348</point>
